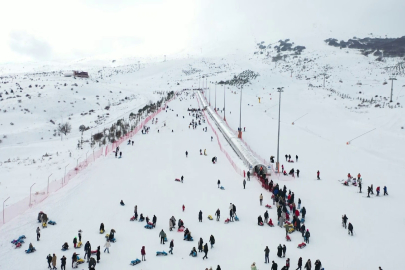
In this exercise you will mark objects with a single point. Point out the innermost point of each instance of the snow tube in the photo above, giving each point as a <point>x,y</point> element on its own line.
<point>147,226</point>
<point>44,225</point>
<point>141,219</point>
<point>191,239</point>
<point>51,222</point>
<point>135,262</point>
<point>101,231</point>
<point>161,253</point>
<point>222,188</point>
<point>181,229</point>
<point>302,220</point>
<point>79,244</point>
<point>177,180</point>
<point>227,220</point>
<point>132,218</point>
<point>30,250</point>
<point>268,206</point>
<point>194,254</point>
<point>18,245</point>
<point>236,218</point>
<point>210,217</point>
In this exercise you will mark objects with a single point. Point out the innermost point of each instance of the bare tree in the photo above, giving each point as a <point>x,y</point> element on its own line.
<point>65,128</point>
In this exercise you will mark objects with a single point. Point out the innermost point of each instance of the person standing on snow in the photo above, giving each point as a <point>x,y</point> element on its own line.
<point>266,254</point>
<point>307,235</point>
<point>344,220</point>
<point>248,175</point>
<point>244,183</point>
<point>298,173</point>
<point>49,260</point>
<point>219,183</point>
<point>186,154</point>
<point>274,266</point>
<point>98,254</point>
<point>205,251</point>
<point>350,229</point>
<point>143,253</point>
<point>200,245</point>
<point>317,175</point>
<point>200,216</point>
<point>218,214</point>
<point>107,246</point>
<point>304,212</point>
<point>171,247</point>
<point>296,158</point>
<point>182,178</point>
<point>286,157</point>
<point>162,235</point>
<point>318,265</point>
<point>54,261</point>
<point>284,250</point>
<point>279,251</point>
<point>299,203</point>
<point>385,191</point>
<point>261,199</point>
<point>80,235</point>
<point>299,263</point>
<point>308,265</point>
<point>266,216</point>
<point>63,263</point>
<point>212,241</point>
<point>38,233</point>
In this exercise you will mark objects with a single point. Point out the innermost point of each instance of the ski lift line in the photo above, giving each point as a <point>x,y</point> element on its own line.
<point>300,118</point>
<point>361,135</point>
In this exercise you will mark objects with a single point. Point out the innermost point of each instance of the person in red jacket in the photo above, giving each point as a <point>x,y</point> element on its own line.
<point>184,207</point>
<point>317,175</point>
<point>143,253</point>
<point>297,213</point>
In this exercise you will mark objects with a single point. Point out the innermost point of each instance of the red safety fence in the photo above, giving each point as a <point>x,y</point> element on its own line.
<point>37,197</point>
<point>237,169</point>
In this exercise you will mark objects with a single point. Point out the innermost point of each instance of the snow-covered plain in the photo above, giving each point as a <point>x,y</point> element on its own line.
<point>145,175</point>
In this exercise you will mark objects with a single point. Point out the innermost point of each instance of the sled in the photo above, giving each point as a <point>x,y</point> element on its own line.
<point>210,217</point>
<point>148,226</point>
<point>79,244</point>
<point>132,218</point>
<point>141,219</point>
<point>227,220</point>
<point>287,222</point>
<point>194,254</point>
<point>181,229</point>
<point>288,238</point>
<point>302,220</point>
<point>260,224</point>
<point>177,180</point>
<point>135,262</point>
<point>268,206</point>
<point>191,239</point>
<point>270,223</point>
<point>302,245</point>
<point>101,231</point>
<point>161,253</point>
<point>222,188</point>
<point>64,249</point>
<point>291,161</point>
<point>44,225</point>
<point>51,222</point>
<point>236,218</point>
<point>30,250</point>
<point>79,260</point>
<point>18,245</point>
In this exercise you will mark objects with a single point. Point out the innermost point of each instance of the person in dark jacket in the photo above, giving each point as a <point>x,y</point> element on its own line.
<point>212,241</point>
<point>49,260</point>
<point>266,216</point>
<point>259,220</point>
<point>162,235</point>
<point>74,242</point>
<point>154,219</point>
<point>63,263</point>
<point>307,235</point>
<point>284,250</point>
<point>248,175</point>
<point>318,265</point>
<point>299,263</point>
<point>200,245</point>
<point>344,220</point>
<point>200,216</point>
<point>92,263</point>
<point>87,246</point>
<point>350,227</point>
<point>171,247</point>
<point>74,258</point>
<point>302,230</point>
<point>205,251</point>
<point>219,183</point>
<point>102,227</point>
<point>279,251</point>
<point>218,214</point>
<point>304,212</point>
<point>274,266</point>
<point>266,254</point>
<point>98,254</point>
<point>308,265</point>
<point>218,267</point>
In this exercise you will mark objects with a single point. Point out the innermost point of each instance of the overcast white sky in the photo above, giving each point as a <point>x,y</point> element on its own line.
<point>53,30</point>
